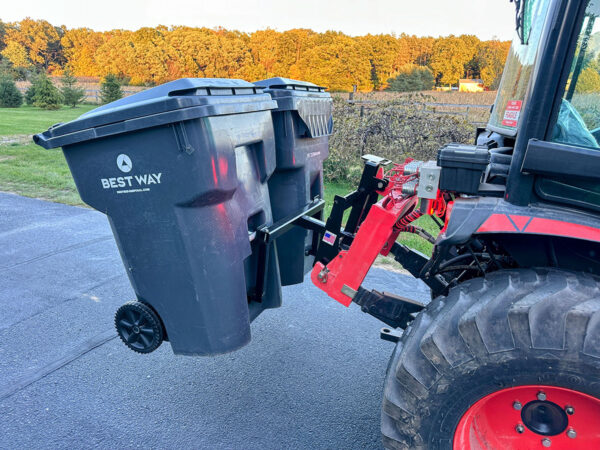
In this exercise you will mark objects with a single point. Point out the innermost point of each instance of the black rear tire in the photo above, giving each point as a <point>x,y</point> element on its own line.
<point>513,328</point>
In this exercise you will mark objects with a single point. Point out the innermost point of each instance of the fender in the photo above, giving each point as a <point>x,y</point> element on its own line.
<point>481,216</point>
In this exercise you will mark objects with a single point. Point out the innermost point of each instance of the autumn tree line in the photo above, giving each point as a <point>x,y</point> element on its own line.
<point>151,56</point>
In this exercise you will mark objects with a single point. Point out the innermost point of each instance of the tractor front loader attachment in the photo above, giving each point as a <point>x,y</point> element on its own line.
<point>386,203</point>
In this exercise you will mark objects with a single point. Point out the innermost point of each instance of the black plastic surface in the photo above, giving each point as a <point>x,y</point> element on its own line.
<point>566,174</point>
<point>311,103</point>
<point>180,100</point>
<point>183,193</point>
<point>551,158</point>
<point>302,123</point>
<point>462,167</point>
<point>287,83</point>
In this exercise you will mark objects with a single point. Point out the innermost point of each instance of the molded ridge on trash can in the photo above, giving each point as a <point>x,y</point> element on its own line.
<point>303,122</point>
<point>182,170</point>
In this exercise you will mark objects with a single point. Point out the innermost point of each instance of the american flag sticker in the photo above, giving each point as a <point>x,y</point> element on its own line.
<point>329,238</point>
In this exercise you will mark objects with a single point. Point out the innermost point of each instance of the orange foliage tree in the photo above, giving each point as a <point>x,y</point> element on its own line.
<point>151,56</point>
<point>33,43</point>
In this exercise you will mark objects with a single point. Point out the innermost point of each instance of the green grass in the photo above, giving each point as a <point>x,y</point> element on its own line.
<point>31,120</point>
<point>28,169</point>
<point>333,189</point>
<point>34,172</point>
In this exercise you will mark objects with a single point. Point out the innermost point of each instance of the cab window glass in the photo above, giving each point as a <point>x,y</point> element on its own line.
<point>518,68</point>
<point>578,120</point>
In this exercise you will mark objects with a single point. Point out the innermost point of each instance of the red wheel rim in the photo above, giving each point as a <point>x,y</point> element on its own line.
<point>531,417</point>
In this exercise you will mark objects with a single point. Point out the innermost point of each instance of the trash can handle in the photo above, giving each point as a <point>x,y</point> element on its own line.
<point>261,159</point>
<point>42,140</point>
<point>182,138</point>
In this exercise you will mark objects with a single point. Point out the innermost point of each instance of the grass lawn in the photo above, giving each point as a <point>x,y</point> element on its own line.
<point>31,120</point>
<point>29,170</point>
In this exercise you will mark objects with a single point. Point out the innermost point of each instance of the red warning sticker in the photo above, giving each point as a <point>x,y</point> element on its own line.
<point>511,113</point>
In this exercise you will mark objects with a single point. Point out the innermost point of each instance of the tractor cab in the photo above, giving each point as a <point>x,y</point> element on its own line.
<point>547,107</point>
<point>575,122</point>
<point>539,188</point>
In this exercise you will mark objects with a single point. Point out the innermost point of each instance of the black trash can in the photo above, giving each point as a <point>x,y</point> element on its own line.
<point>182,171</point>
<point>303,123</point>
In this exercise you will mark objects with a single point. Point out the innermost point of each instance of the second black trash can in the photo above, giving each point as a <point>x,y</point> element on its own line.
<point>303,123</point>
<point>182,172</point>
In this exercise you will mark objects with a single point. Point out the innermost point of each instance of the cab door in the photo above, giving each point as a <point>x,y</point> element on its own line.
<point>567,163</point>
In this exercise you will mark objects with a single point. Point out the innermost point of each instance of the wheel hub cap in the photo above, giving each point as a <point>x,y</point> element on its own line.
<point>544,418</point>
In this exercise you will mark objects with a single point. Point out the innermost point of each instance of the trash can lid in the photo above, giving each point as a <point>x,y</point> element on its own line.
<point>313,104</point>
<point>287,83</point>
<point>184,99</point>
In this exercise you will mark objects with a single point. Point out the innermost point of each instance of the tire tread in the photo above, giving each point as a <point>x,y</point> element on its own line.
<point>521,313</point>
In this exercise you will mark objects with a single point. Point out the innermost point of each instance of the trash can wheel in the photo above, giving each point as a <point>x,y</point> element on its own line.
<point>139,327</point>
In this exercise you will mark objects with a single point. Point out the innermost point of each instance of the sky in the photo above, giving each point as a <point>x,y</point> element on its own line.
<point>486,19</point>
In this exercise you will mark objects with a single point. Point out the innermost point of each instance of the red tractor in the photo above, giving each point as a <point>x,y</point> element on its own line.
<point>506,355</point>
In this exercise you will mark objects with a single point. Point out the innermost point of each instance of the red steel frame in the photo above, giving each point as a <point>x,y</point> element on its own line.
<point>350,267</point>
<point>386,219</point>
<point>393,214</point>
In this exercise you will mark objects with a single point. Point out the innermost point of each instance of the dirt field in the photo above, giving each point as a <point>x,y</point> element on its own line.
<point>462,98</point>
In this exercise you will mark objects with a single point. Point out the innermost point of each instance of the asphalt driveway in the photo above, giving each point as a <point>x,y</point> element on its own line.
<point>311,377</point>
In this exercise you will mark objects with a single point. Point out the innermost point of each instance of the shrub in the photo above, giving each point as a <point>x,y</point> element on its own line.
<point>588,81</point>
<point>43,93</point>
<point>10,97</point>
<point>412,78</point>
<point>394,130</point>
<point>110,89</point>
<point>8,68</point>
<point>30,93</point>
<point>72,94</point>
<point>588,106</point>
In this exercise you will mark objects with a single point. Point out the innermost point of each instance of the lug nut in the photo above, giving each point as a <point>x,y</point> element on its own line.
<point>572,433</point>
<point>517,406</point>
<point>520,428</point>
<point>570,410</point>
<point>546,442</point>
<point>541,397</point>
